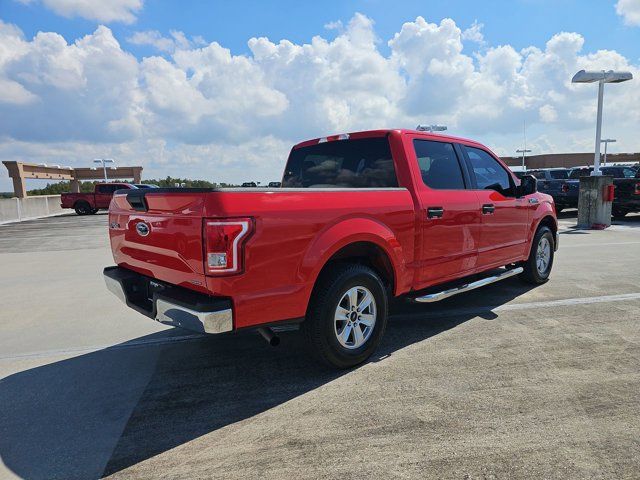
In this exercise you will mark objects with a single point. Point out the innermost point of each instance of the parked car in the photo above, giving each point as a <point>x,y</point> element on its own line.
<point>90,203</point>
<point>145,185</point>
<point>627,186</point>
<point>275,184</point>
<point>249,185</point>
<point>361,218</point>
<point>627,196</point>
<point>553,181</point>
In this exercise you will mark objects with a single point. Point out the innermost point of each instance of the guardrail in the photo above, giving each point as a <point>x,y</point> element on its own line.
<point>19,209</point>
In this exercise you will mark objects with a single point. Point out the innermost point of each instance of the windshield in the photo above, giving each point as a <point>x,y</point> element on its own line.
<point>362,163</point>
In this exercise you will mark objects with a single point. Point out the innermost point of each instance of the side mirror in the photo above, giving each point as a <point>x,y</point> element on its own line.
<point>528,185</point>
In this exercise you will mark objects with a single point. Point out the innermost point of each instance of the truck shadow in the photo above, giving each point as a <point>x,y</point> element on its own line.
<point>101,412</point>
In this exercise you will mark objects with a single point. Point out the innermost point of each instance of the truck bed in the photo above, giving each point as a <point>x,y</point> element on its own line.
<point>284,248</point>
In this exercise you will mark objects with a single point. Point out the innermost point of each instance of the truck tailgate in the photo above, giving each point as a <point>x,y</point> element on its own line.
<point>159,234</point>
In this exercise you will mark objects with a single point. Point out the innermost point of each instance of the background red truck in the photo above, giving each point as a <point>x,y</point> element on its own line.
<point>360,217</point>
<point>90,203</point>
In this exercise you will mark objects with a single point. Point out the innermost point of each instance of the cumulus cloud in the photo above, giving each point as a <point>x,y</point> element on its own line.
<point>200,110</point>
<point>629,10</point>
<point>175,41</point>
<point>474,33</point>
<point>102,11</point>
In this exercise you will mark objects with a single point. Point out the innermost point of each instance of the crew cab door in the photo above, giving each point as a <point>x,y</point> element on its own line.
<point>103,194</point>
<point>505,218</point>
<point>449,216</point>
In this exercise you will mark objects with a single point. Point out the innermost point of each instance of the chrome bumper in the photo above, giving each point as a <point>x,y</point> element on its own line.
<point>165,309</point>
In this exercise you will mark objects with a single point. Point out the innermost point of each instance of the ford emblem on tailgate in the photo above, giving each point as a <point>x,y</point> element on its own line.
<point>142,229</point>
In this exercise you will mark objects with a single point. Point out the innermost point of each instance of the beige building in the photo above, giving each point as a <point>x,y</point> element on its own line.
<point>568,159</point>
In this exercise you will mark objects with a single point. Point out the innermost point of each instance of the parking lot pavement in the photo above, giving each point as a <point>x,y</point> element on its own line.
<point>507,381</point>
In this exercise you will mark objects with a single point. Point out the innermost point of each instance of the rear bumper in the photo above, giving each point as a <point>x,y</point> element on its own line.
<point>168,303</point>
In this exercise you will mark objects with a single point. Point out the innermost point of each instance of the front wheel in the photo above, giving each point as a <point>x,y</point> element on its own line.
<point>82,208</point>
<point>347,315</point>
<point>537,267</point>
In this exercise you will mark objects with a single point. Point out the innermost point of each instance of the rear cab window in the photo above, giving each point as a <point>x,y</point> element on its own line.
<point>559,174</point>
<point>357,163</point>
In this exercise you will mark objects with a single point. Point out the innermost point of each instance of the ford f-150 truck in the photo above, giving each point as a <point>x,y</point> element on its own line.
<point>90,203</point>
<point>359,218</point>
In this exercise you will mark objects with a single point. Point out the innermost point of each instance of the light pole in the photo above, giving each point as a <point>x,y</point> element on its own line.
<point>606,142</point>
<point>601,77</point>
<point>523,151</point>
<point>431,128</point>
<point>104,162</point>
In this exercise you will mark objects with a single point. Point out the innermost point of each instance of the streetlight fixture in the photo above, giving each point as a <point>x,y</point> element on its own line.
<point>431,128</point>
<point>104,162</point>
<point>602,77</point>
<point>523,151</point>
<point>606,142</point>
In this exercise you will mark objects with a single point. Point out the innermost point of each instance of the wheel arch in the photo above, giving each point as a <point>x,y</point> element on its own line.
<point>359,240</point>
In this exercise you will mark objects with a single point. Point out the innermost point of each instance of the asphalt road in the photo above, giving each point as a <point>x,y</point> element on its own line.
<point>505,382</point>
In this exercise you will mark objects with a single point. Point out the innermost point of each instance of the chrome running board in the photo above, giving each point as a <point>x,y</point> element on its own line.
<point>436,297</point>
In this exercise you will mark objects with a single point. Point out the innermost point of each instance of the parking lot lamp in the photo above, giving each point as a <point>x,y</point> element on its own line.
<point>602,77</point>
<point>606,142</point>
<point>104,162</point>
<point>523,151</point>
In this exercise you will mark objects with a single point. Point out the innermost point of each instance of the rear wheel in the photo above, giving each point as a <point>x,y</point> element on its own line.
<point>94,211</point>
<point>618,214</point>
<point>537,267</point>
<point>82,208</point>
<point>347,315</point>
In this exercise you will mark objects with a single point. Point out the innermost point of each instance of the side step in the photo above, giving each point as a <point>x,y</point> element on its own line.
<point>436,297</point>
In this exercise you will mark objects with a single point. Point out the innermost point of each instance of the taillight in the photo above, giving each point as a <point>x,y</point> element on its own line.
<point>637,189</point>
<point>224,243</point>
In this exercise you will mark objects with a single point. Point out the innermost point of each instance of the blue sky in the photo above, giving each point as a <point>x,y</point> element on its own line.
<point>520,23</point>
<point>191,87</point>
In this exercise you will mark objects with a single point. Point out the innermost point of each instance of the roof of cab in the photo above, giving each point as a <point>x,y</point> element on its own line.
<point>383,132</point>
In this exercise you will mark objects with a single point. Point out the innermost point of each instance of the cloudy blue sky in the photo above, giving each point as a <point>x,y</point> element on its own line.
<point>220,90</point>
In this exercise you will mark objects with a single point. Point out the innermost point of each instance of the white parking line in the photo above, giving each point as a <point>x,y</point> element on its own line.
<point>427,314</point>
<point>454,312</point>
<point>598,244</point>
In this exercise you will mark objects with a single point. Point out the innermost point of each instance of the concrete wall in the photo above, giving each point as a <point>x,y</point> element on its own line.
<point>18,209</point>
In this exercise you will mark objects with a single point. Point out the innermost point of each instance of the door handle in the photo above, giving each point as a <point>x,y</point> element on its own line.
<point>488,208</point>
<point>435,212</point>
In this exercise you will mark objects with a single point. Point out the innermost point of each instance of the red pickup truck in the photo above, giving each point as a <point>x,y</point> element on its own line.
<point>90,203</point>
<point>359,218</point>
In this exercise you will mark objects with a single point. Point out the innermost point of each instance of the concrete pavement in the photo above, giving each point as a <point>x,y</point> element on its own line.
<point>508,381</point>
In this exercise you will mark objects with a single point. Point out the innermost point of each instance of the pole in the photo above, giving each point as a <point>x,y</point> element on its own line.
<point>104,168</point>
<point>606,144</point>
<point>596,159</point>
<point>523,167</point>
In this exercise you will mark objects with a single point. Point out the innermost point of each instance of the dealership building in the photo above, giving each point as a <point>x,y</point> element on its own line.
<point>550,160</point>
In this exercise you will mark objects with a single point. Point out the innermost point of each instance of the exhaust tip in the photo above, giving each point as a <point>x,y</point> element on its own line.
<point>269,335</point>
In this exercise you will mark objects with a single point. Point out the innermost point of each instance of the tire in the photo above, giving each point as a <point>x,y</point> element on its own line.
<point>94,211</point>
<point>82,208</point>
<point>536,269</point>
<point>337,342</point>
<point>618,214</point>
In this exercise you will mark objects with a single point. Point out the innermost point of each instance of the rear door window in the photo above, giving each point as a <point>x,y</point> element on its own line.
<point>359,163</point>
<point>439,165</point>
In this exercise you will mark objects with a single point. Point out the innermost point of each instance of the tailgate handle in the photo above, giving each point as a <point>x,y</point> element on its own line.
<point>137,201</point>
